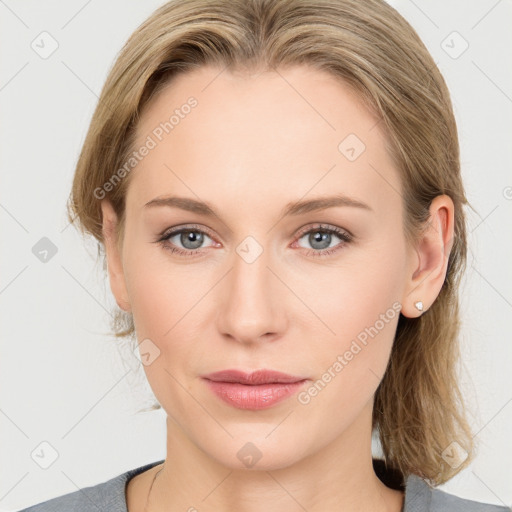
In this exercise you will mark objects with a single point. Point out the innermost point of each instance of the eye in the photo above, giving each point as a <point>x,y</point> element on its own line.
<point>321,237</point>
<point>190,238</point>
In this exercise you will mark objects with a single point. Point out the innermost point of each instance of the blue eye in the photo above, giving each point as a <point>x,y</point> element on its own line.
<point>320,239</point>
<point>191,238</point>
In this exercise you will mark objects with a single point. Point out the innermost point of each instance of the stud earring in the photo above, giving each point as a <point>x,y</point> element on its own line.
<point>419,305</point>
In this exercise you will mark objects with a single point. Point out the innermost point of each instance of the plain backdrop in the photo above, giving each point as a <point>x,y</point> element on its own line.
<point>63,382</point>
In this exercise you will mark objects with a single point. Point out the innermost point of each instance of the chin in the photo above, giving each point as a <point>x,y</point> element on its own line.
<point>257,451</point>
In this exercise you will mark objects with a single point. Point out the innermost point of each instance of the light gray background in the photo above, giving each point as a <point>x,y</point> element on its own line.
<point>63,380</point>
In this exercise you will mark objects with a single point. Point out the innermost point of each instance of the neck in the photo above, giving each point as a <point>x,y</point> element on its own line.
<point>340,476</point>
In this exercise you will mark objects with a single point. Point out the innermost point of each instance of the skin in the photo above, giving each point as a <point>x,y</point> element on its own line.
<point>252,145</point>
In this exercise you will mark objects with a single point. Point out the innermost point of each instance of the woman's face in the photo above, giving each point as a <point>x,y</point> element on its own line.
<point>263,283</point>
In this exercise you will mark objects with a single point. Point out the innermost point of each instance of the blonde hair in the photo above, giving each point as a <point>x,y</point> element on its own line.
<point>373,49</point>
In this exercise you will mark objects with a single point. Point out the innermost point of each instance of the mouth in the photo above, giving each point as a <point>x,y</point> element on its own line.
<point>258,390</point>
<point>255,378</point>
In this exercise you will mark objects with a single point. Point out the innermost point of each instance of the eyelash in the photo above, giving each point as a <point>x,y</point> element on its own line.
<point>343,235</point>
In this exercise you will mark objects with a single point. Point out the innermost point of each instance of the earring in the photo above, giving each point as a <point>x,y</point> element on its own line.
<point>419,305</point>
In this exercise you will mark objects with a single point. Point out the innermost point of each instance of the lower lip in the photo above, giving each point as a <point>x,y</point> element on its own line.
<point>255,398</point>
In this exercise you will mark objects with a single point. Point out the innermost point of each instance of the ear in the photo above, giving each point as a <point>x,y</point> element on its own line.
<point>114,260</point>
<point>429,259</point>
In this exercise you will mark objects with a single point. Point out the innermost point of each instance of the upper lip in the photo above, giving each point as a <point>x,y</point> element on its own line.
<point>257,377</point>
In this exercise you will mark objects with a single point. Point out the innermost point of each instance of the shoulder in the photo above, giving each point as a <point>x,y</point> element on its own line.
<point>109,495</point>
<point>420,497</point>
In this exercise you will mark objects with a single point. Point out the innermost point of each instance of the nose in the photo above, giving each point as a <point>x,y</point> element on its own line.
<point>252,299</point>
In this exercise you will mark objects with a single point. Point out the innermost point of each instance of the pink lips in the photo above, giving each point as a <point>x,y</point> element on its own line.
<point>257,390</point>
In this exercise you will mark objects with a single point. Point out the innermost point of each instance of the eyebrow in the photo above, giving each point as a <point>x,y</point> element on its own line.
<point>290,209</point>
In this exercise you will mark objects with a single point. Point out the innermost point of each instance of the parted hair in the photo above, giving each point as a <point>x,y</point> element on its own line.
<point>418,409</point>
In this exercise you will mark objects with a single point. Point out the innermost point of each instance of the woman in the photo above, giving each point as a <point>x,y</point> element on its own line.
<point>276,185</point>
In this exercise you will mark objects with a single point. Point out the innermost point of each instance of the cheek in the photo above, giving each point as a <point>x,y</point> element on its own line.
<point>360,304</point>
<point>354,295</point>
<point>351,364</point>
<point>168,306</point>
<point>153,301</point>
<point>163,297</point>
<point>158,290</point>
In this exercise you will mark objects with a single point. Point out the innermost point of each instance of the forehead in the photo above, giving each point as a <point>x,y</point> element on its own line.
<point>264,135</point>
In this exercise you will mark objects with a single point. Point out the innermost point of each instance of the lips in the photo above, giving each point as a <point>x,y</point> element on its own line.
<point>253,379</point>
<point>260,389</point>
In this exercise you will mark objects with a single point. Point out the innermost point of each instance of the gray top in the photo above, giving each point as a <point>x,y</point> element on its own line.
<point>110,496</point>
